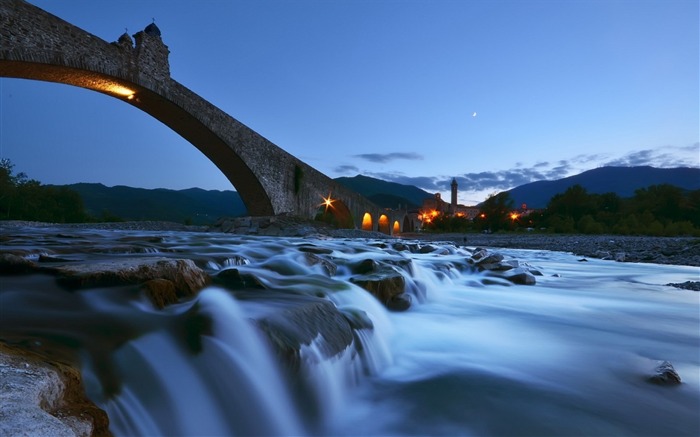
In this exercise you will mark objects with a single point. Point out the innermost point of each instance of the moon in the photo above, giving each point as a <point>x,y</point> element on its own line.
<point>473,114</point>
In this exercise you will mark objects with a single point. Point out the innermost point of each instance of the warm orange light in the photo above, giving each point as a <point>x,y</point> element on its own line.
<point>327,201</point>
<point>434,213</point>
<point>513,215</point>
<point>397,227</point>
<point>383,224</point>
<point>121,90</point>
<point>367,222</point>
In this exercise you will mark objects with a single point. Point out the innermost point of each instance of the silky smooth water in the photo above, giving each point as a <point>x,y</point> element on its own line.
<point>567,356</point>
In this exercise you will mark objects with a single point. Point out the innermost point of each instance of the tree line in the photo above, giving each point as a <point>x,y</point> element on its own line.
<point>22,198</point>
<point>658,210</point>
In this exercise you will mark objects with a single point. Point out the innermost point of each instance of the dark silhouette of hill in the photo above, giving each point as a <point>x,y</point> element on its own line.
<point>386,194</point>
<point>199,206</point>
<point>623,181</point>
<point>193,205</point>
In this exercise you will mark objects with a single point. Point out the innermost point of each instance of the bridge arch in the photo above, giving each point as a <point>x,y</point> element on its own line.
<point>36,45</point>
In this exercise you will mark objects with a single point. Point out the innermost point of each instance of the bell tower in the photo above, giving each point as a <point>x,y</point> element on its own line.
<point>453,200</point>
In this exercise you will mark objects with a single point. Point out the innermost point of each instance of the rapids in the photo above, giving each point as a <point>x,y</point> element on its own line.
<point>567,356</point>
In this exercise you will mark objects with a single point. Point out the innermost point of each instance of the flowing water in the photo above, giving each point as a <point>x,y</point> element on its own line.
<point>568,356</point>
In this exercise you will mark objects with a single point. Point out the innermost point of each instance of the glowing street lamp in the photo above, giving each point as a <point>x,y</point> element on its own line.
<point>327,202</point>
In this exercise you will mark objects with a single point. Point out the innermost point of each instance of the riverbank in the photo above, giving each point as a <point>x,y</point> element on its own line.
<point>624,248</point>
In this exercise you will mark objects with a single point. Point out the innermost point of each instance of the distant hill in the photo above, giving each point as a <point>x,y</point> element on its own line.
<point>195,205</point>
<point>386,194</point>
<point>200,206</point>
<point>623,181</point>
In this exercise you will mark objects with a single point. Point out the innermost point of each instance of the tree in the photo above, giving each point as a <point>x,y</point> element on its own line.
<point>494,212</point>
<point>22,198</point>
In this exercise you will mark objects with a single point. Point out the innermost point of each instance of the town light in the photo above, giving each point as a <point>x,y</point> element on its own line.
<point>514,216</point>
<point>327,202</point>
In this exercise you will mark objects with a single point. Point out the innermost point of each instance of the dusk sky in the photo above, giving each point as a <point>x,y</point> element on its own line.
<point>494,93</point>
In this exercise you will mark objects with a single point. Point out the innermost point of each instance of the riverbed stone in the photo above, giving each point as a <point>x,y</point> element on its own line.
<point>39,397</point>
<point>399,302</point>
<point>328,266</point>
<point>11,264</point>
<point>520,276</point>
<point>233,279</point>
<point>665,374</point>
<point>302,321</point>
<point>161,292</point>
<point>185,275</point>
<point>383,285</point>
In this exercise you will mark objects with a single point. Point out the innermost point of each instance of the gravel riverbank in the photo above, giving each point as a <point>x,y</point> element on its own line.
<point>660,250</point>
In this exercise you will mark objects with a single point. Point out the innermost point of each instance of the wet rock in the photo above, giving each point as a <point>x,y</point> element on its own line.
<point>488,260</point>
<point>329,267</point>
<point>39,397</point>
<point>401,247</point>
<point>400,302</point>
<point>665,375</point>
<point>364,266</point>
<point>382,285</point>
<point>478,253</point>
<point>233,279</point>
<point>315,249</point>
<point>357,318</point>
<point>304,320</point>
<point>161,292</point>
<point>520,276</point>
<point>187,277</point>
<point>428,248</point>
<point>11,264</point>
<point>687,285</point>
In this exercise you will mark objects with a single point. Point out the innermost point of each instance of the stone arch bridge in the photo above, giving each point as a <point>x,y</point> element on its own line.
<point>37,45</point>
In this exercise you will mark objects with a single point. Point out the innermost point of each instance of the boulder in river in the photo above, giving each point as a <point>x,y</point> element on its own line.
<point>11,264</point>
<point>184,274</point>
<point>665,374</point>
<point>385,285</point>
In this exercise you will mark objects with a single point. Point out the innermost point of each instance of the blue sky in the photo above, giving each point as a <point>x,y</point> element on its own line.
<point>495,93</point>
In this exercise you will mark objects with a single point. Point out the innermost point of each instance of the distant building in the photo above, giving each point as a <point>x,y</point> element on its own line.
<point>433,206</point>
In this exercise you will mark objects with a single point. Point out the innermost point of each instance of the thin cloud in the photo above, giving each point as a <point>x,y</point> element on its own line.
<point>663,157</point>
<point>347,169</point>
<point>427,183</point>
<point>501,180</point>
<point>388,157</point>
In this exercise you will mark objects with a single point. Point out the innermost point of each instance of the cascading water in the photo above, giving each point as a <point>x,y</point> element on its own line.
<point>567,356</point>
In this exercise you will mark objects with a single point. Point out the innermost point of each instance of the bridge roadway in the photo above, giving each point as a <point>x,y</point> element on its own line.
<point>37,45</point>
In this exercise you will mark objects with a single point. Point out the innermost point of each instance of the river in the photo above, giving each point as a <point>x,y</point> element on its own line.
<point>568,356</point>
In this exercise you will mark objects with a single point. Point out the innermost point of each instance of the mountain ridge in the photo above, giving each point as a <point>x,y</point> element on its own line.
<point>623,181</point>
<point>200,206</point>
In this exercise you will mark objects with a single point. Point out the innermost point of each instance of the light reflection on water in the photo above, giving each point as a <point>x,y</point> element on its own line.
<point>567,356</point>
